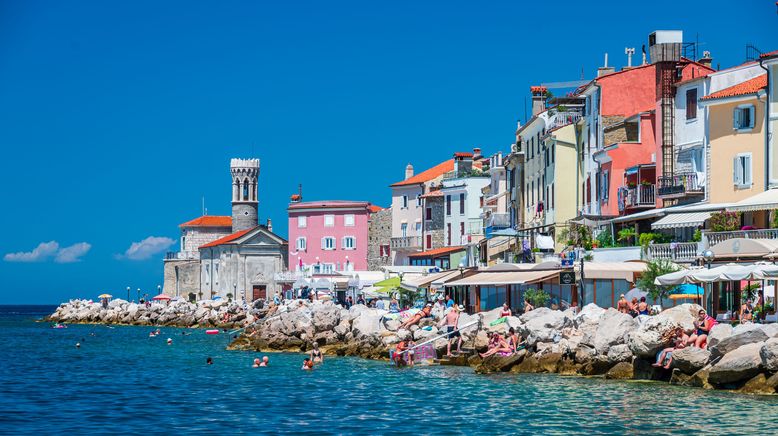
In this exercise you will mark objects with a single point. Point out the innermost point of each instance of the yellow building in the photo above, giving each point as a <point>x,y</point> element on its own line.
<point>736,118</point>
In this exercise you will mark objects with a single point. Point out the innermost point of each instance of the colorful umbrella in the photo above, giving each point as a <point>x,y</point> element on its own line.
<point>687,291</point>
<point>162,297</point>
<point>105,296</point>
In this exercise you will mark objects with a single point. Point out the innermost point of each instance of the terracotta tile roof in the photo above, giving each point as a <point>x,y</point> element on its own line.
<point>463,154</point>
<point>227,239</point>
<point>209,221</point>
<point>435,193</point>
<point>334,204</point>
<point>769,54</point>
<point>373,208</point>
<point>425,176</point>
<point>744,88</point>
<point>437,252</point>
<point>538,89</point>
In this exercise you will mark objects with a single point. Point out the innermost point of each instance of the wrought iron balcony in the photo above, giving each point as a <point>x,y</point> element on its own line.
<point>406,243</point>
<point>636,197</point>
<point>680,185</point>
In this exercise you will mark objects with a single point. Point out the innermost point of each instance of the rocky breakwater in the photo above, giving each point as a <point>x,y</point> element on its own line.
<point>593,342</point>
<point>219,313</point>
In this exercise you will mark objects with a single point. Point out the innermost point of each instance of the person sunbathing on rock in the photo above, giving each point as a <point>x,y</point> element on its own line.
<point>679,339</point>
<point>702,326</point>
<point>417,316</point>
<point>497,345</point>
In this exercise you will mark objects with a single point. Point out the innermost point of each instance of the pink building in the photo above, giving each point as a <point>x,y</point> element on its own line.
<point>328,236</point>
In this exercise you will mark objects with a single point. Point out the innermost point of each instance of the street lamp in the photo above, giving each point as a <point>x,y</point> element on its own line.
<point>138,295</point>
<point>128,293</point>
<point>159,289</point>
<point>708,257</point>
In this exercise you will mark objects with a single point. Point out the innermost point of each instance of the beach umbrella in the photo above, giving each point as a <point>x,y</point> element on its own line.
<point>105,296</point>
<point>673,278</point>
<point>635,293</point>
<point>161,297</point>
<point>687,290</point>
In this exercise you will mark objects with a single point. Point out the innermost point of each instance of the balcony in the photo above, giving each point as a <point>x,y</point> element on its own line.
<point>561,119</point>
<point>182,255</point>
<point>406,243</point>
<point>676,251</point>
<point>636,197</point>
<point>713,238</point>
<point>680,185</point>
<point>498,221</point>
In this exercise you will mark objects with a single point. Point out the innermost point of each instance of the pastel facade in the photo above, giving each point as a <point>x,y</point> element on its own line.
<point>769,61</point>
<point>328,236</point>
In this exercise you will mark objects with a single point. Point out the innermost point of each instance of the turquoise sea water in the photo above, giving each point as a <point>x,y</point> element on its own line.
<point>122,381</point>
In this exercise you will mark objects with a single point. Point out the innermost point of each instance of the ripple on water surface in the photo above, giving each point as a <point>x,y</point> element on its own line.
<point>120,381</point>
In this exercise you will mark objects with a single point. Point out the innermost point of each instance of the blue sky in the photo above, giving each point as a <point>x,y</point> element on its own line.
<point>117,118</point>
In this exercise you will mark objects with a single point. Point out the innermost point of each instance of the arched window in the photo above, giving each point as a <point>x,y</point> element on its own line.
<point>236,190</point>
<point>246,190</point>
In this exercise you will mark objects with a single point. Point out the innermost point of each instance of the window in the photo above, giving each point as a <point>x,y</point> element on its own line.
<point>448,234</point>
<point>553,152</point>
<point>384,250</point>
<point>742,171</point>
<point>329,220</point>
<point>302,222</point>
<point>744,117</point>
<point>418,227</point>
<point>301,243</point>
<point>348,220</point>
<point>552,196</point>
<point>462,204</point>
<point>462,229</point>
<point>404,229</point>
<point>429,242</point>
<point>428,214</point>
<point>481,200</point>
<point>418,200</point>
<point>328,243</point>
<point>349,243</point>
<point>405,202</point>
<point>327,268</point>
<point>532,191</point>
<point>448,205</point>
<point>691,104</point>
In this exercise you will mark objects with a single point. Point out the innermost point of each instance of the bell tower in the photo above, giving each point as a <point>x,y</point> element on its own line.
<point>245,204</point>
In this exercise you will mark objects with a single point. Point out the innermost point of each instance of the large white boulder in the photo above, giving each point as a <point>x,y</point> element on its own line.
<point>690,359</point>
<point>326,316</point>
<point>769,354</point>
<point>647,340</point>
<point>737,365</point>
<point>738,339</point>
<point>591,313</point>
<point>718,333</point>
<point>543,325</point>
<point>613,329</point>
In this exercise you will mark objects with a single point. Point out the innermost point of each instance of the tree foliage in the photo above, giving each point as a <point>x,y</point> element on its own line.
<point>654,269</point>
<point>537,297</point>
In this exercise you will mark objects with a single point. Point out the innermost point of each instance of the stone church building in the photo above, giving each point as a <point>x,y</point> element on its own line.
<point>231,256</point>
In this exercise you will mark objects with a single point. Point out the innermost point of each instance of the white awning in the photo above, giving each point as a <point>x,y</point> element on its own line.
<point>504,278</point>
<point>767,200</point>
<point>679,220</point>
<point>614,270</point>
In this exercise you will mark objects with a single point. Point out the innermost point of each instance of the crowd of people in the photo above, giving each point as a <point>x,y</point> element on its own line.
<point>635,307</point>
<point>679,339</point>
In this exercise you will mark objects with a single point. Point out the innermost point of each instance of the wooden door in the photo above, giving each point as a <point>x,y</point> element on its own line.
<point>259,292</point>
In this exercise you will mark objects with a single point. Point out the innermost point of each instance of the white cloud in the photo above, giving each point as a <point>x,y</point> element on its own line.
<point>72,253</point>
<point>46,250</point>
<point>42,252</point>
<point>146,248</point>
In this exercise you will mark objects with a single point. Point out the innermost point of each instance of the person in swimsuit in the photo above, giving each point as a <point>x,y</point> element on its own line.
<point>418,316</point>
<point>513,339</point>
<point>702,327</point>
<point>497,345</point>
<point>452,322</point>
<point>527,306</point>
<point>400,351</point>
<point>679,339</point>
<point>264,362</point>
<point>307,364</point>
<point>316,356</point>
<point>633,307</point>
<point>506,310</point>
<point>256,363</point>
<point>643,307</point>
<point>746,312</point>
<point>623,305</point>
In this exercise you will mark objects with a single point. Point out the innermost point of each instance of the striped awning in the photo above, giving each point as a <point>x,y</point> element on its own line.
<point>504,278</point>
<point>679,220</point>
<point>767,200</point>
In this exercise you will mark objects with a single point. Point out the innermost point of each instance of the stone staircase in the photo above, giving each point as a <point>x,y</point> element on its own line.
<point>457,360</point>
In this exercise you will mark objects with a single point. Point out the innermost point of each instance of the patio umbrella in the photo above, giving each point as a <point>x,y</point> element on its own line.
<point>635,293</point>
<point>687,290</point>
<point>161,297</point>
<point>105,296</point>
<point>673,278</point>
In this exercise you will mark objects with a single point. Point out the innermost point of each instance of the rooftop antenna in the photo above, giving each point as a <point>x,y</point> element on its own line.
<point>629,51</point>
<point>204,210</point>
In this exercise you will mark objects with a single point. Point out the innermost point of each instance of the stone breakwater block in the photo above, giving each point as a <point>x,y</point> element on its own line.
<point>690,359</point>
<point>769,354</point>
<point>612,330</point>
<point>495,363</point>
<point>758,385</point>
<point>740,364</point>
<point>621,371</point>
<point>737,340</point>
<point>619,353</point>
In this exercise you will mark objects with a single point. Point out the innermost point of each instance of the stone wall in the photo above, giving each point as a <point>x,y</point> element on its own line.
<point>194,237</point>
<point>186,273</point>
<point>379,232</point>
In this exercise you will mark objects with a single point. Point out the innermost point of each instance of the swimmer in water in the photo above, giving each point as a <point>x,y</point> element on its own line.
<point>307,364</point>
<point>78,345</point>
<point>209,361</point>
<point>169,341</point>
<point>256,363</point>
<point>264,361</point>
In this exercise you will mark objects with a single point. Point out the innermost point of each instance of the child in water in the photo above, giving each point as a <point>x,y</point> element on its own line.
<point>307,364</point>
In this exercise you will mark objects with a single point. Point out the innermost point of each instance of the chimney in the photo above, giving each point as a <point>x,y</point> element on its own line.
<point>463,164</point>
<point>538,99</point>
<point>629,51</point>
<point>605,69</point>
<point>408,171</point>
<point>706,59</point>
<point>269,225</point>
<point>477,153</point>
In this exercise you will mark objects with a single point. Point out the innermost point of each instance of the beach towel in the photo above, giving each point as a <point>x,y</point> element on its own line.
<point>498,321</point>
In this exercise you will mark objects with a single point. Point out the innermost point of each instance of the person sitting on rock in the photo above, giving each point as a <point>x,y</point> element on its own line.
<point>679,340</point>
<point>497,345</point>
<point>506,310</point>
<point>702,325</point>
<point>513,339</point>
<point>642,307</point>
<point>394,306</point>
<point>424,312</point>
<point>527,306</point>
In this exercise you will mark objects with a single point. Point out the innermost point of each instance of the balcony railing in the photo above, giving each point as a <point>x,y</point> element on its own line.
<point>679,185</point>
<point>675,251</point>
<point>182,255</point>
<point>714,238</point>
<point>561,119</point>
<point>637,196</point>
<point>498,220</point>
<point>406,243</point>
